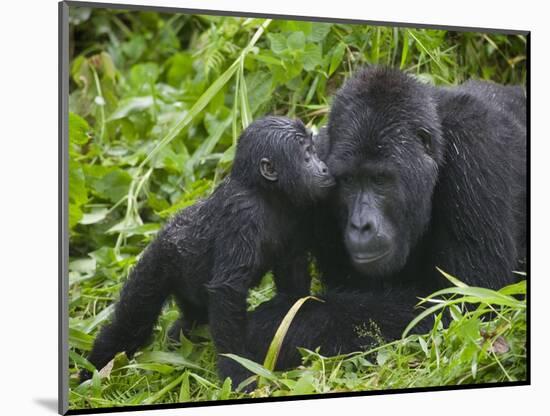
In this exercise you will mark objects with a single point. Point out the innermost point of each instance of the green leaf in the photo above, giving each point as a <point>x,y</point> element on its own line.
<point>167,358</point>
<point>96,384</point>
<point>80,340</point>
<point>228,155</point>
<point>157,203</point>
<point>180,66</point>
<point>81,361</point>
<point>246,114</point>
<point>319,31</point>
<point>107,65</point>
<point>452,279</point>
<point>134,48</point>
<point>226,389</point>
<point>104,256</point>
<point>424,346</point>
<point>199,105</point>
<point>98,319</point>
<point>208,145</point>
<point>469,329</point>
<point>253,367</point>
<point>259,85</point>
<point>304,385</point>
<point>514,289</point>
<point>479,294</point>
<point>75,215</point>
<point>185,391</point>
<point>132,229</point>
<point>85,265</point>
<point>296,41</point>
<point>268,59</point>
<point>469,294</point>
<point>114,185</point>
<point>186,346</point>
<point>162,392</point>
<point>473,367</point>
<point>455,312</point>
<point>383,356</point>
<point>405,50</point>
<point>312,56</point>
<point>78,193</point>
<point>78,129</point>
<point>144,75</point>
<point>94,216</point>
<point>163,369</point>
<point>278,42</point>
<point>131,105</point>
<point>336,58</point>
<point>290,26</point>
<point>422,47</point>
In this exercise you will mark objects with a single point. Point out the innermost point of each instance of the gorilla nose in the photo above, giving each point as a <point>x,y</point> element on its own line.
<point>365,243</point>
<point>363,226</point>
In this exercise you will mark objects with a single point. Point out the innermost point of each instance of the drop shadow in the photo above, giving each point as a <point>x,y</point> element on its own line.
<point>49,404</point>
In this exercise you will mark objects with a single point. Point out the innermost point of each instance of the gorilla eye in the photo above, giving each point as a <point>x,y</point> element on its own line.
<point>426,138</point>
<point>347,179</point>
<point>378,179</point>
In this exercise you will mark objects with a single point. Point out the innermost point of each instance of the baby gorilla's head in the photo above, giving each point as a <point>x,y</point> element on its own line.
<point>277,154</point>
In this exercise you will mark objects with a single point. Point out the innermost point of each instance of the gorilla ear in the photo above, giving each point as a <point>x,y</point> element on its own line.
<point>267,170</point>
<point>426,137</point>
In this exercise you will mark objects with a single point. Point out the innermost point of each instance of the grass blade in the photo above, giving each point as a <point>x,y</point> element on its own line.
<point>246,114</point>
<point>405,50</point>
<point>277,342</point>
<point>452,279</point>
<point>167,358</point>
<point>253,367</point>
<point>158,395</point>
<point>481,294</point>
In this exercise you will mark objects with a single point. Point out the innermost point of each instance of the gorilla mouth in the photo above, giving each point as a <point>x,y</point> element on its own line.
<point>327,183</point>
<point>366,259</point>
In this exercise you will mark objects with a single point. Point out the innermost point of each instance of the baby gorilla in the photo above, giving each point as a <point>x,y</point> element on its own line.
<point>211,253</point>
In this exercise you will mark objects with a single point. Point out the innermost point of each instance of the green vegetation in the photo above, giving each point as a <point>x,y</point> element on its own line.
<point>157,103</point>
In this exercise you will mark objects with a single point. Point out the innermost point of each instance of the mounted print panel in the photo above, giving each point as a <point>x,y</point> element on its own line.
<point>266,208</point>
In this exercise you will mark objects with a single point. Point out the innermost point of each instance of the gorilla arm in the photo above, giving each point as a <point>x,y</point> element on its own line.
<point>346,321</point>
<point>474,224</point>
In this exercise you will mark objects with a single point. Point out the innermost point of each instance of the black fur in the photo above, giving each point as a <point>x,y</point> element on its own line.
<point>211,253</point>
<point>427,177</point>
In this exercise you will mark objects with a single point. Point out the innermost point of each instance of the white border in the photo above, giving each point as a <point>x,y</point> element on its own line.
<point>28,172</point>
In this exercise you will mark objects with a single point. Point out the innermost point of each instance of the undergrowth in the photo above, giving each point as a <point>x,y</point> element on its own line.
<point>156,105</point>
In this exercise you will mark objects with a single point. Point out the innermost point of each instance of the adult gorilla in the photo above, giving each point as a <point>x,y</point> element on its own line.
<point>427,177</point>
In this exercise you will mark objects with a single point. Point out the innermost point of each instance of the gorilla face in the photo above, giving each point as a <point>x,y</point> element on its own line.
<point>306,175</point>
<point>384,207</point>
<point>385,142</point>
<point>277,154</point>
<point>371,228</point>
